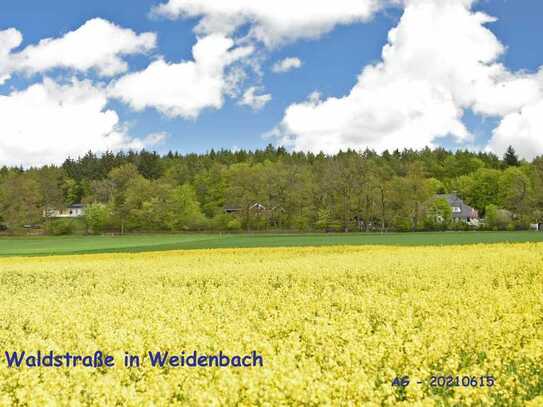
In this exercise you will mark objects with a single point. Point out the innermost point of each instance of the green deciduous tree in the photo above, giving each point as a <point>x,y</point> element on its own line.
<point>438,214</point>
<point>97,217</point>
<point>515,191</point>
<point>121,179</point>
<point>21,202</point>
<point>183,209</point>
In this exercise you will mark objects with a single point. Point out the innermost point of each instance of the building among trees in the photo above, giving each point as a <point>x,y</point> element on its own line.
<point>460,211</point>
<point>72,211</point>
<point>273,189</point>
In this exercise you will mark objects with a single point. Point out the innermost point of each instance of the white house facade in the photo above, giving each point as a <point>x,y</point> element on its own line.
<point>72,211</point>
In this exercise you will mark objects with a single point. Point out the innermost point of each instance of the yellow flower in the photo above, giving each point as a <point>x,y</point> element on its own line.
<point>334,325</point>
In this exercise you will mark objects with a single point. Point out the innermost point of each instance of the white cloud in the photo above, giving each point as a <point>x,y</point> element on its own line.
<point>9,39</point>
<point>254,101</point>
<point>286,65</point>
<point>523,130</point>
<point>380,115</point>
<point>155,138</point>
<point>439,61</point>
<point>272,22</point>
<point>48,122</point>
<point>98,44</point>
<point>186,88</point>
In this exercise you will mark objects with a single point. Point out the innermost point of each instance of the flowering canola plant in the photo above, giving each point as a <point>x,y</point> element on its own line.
<point>334,325</point>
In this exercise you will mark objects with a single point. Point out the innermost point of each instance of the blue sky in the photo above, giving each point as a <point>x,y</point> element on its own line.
<point>332,61</point>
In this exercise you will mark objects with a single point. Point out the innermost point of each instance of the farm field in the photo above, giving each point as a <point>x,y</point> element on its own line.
<point>334,325</point>
<point>32,246</point>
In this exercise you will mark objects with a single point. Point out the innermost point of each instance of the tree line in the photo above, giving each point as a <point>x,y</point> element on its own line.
<point>273,189</point>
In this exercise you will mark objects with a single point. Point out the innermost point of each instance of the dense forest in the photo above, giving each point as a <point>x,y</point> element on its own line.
<point>272,189</point>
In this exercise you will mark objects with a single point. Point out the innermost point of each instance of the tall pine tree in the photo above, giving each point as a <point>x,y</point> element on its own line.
<point>510,158</point>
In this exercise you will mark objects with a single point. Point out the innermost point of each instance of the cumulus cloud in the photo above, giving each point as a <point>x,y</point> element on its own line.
<point>272,22</point>
<point>9,39</point>
<point>286,65</point>
<point>183,89</point>
<point>439,61</point>
<point>254,101</point>
<point>98,44</point>
<point>49,121</point>
<point>523,130</point>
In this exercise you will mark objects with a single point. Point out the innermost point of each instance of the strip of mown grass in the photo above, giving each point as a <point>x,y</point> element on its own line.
<point>33,246</point>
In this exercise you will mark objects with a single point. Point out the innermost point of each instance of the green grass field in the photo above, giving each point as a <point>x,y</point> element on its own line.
<point>32,246</point>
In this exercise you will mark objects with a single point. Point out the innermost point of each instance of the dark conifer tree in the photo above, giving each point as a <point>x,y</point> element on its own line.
<point>510,158</point>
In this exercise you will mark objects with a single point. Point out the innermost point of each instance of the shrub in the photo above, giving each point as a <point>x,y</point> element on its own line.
<point>498,219</point>
<point>233,225</point>
<point>402,224</point>
<point>61,227</point>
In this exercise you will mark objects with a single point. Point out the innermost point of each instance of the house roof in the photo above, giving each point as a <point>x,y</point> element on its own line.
<point>454,201</point>
<point>257,206</point>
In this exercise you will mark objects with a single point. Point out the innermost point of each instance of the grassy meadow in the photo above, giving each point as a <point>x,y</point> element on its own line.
<point>335,325</point>
<point>50,245</point>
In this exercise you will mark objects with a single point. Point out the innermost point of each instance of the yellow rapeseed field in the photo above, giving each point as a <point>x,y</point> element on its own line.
<point>334,326</point>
